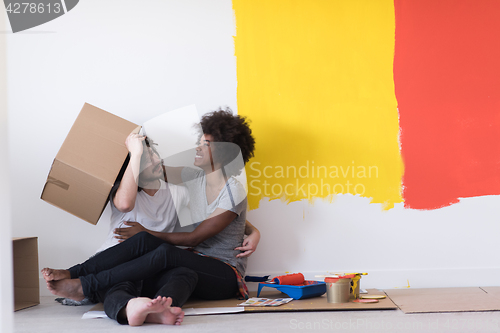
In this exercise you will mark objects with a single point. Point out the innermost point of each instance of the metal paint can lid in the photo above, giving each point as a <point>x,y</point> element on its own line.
<point>335,279</point>
<point>364,300</point>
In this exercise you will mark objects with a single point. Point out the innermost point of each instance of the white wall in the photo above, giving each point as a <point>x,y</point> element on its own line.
<point>140,59</point>
<point>6,293</point>
<point>450,247</point>
<point>134,59</point>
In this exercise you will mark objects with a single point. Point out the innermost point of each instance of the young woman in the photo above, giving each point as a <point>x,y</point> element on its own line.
<point>218,205</point>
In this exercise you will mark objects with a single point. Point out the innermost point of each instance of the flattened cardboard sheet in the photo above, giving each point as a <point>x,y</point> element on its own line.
<point>25,260</point>
<point>308,304</point>
<point>444,299</point>
<point>493,291</point>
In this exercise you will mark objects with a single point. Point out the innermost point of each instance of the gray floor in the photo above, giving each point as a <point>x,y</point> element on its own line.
<point>51,317</point>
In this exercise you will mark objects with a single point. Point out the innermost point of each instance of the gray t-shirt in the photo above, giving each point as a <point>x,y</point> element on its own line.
<point>233,198</point>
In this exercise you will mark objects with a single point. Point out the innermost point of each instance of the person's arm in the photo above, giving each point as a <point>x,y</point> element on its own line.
<point>250,242</point>
<point>125,195</point>
<point>214,224</point>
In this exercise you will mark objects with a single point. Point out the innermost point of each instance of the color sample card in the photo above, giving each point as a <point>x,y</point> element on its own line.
<point>255,301</point>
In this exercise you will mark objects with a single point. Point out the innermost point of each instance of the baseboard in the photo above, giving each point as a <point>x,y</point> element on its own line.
<point>413,278</point>
<point>43,288</point>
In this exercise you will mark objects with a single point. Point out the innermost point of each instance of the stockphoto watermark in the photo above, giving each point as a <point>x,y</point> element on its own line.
<point>25,14</point>
<point>409,324</point>
<point>309,179</point>
<point>361,324</point>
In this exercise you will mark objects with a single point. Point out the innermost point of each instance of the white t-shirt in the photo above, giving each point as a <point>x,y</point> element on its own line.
<point>157,212</point>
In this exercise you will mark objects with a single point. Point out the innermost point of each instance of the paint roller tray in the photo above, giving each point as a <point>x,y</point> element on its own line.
<point>306,290</point>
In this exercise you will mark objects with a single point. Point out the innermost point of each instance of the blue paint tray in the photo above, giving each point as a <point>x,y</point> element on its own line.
<point>305,290</point>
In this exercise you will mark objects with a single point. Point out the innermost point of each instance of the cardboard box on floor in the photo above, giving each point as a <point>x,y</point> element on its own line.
<point>88,163</point>
<point>25,262</point>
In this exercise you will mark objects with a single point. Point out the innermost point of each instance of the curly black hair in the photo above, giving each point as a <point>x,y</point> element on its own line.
<point>223,126</point>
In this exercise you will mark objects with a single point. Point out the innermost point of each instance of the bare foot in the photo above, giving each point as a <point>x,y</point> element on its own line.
<point>139,308</point>
<point>68,288</point>
<point>50,274</point>
<point>170,315</point>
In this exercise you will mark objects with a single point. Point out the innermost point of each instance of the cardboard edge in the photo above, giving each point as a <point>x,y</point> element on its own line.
<point>389,297</point>
<point>81,218</point>
<point>24,305</point>
<point>103,181</point>
<point>410,311</point>
<point>21,305</point>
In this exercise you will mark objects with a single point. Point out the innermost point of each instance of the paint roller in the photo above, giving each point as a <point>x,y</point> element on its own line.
<point>294,279</point>
<point>295,286</point>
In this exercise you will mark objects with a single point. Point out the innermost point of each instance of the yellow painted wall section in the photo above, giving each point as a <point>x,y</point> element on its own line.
<point>315,78</point>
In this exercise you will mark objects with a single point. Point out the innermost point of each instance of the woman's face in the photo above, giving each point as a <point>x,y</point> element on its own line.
<point>203,157</point>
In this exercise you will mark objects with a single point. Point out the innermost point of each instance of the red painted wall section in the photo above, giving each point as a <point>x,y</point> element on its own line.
<point>447,82</point>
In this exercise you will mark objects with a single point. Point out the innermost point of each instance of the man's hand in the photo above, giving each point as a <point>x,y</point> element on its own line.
<point>134,143</point>
<point>125,233</point>
<point>249,245</point>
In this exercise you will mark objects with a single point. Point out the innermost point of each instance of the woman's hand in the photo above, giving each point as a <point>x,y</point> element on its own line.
<point>125,233</point>
<point>249,244</point>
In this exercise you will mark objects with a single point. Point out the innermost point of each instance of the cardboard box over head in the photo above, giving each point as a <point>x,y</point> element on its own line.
<point>88,163</point>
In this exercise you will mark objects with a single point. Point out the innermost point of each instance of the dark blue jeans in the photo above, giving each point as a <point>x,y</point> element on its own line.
<point>177,283</point>
<point>143,256</point>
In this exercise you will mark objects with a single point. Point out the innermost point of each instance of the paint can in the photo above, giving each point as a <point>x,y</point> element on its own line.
<point>355,286</point>
<point>338,289</point>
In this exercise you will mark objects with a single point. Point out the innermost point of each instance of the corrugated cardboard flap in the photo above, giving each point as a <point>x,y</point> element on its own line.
<point>76,192</point>
<point>443,300</point>
<point>26,284</point>
<point>96,143</point>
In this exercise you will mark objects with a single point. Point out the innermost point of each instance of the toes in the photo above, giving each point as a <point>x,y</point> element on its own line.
<point>46,274</point>
<point>51,287</point>
<point>179,320</point>
<point>175,310</point>
<point>168,301</point>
